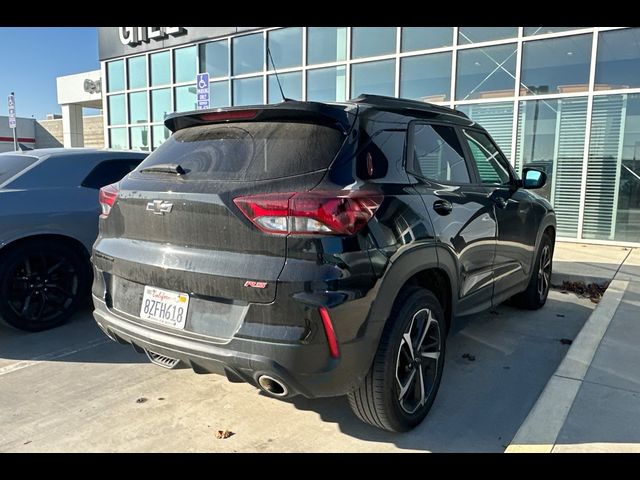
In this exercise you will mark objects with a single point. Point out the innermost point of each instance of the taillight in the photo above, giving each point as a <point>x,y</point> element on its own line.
<point>310,213</point>
<point>107,197</point>
<point>229,115</point>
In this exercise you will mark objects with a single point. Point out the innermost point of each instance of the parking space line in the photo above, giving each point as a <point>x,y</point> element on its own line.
<point>52,356</point>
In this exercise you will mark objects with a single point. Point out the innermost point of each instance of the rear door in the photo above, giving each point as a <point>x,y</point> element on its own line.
<point>462,216</point>
<point>183,232</point>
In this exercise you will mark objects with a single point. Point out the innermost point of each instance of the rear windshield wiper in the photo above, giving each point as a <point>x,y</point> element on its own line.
<point>174,168</point>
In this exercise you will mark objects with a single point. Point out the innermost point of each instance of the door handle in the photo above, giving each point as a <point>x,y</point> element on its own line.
<point>442,207</point>
<point>500,202</point>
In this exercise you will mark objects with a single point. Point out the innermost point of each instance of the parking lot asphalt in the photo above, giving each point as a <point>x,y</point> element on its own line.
<point>72,389</point>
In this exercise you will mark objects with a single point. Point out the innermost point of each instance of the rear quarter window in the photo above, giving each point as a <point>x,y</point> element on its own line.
<point>109,171</point>
<point>11,165</point>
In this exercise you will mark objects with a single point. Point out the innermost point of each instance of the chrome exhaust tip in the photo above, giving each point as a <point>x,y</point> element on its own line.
<point>273,386</point>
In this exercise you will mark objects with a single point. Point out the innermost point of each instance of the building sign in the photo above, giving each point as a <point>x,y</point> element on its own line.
<point>12,111</point>
<point>136,35</point>
<point>202,86</point>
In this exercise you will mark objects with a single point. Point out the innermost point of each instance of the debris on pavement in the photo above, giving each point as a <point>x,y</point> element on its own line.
<point>141,400</point>
<point>222,434</point>
<point>592,291</point>
<point>566,341</point>
<point>560,315</point>
<point>160,398</point>
<point>27,442</point>
<point>469,357</point>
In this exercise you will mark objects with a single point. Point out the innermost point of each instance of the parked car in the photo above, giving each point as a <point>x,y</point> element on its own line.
<point>319,249</point>
<point>48,223</point>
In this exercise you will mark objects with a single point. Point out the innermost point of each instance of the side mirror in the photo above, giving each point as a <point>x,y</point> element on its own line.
<point>533,178</point>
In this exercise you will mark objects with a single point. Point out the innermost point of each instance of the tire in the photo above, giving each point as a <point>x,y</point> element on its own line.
<point>42,284</point>
<point>535,296</point>
<point>379,400</point>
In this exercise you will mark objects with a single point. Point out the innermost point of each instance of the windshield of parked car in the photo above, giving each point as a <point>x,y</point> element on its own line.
<point>10,165</point>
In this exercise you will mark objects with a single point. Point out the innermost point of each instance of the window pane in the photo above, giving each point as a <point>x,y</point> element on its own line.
<point>422,38</point>
<point>556,65</point>
<point>496,118</point>
<point>326,44</point>
<point>185,64</point>
<point>486,72</point>
<point>612,203</point>
<point>248,54</point>
<point>137,72</point>
<point>214,58</point>
<point>376,78</point>
<point>160,68</point>
<point>291,86</point>
<point>115,76</point>
<point>618,62</point>
<point>437,155</point>
<point>160,134</point>
<point>185,98</point>
<point>468,35</point>
<point>160,104</point>
<point>371,41</point>
<point>219,92</point>
<point>247,91</point>
<point>542,30</point>
<point>486,156</point>
<point>138,107</point>
<point>139,138</point>
<point>426,78</point>
<point>551,137</point>
<point>116,110</point>
<point>327,84</point>
<point>285,46</point>
<point>118,138</point>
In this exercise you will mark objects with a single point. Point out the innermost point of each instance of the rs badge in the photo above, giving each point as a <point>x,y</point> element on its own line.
<point>254,284</point>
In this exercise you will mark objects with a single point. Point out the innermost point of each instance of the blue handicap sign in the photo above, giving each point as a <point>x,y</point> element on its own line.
<point>202,86</point>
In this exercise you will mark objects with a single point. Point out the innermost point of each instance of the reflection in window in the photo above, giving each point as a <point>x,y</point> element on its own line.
<point>160,134</point>
<point>115,76</point>
<point>377,78</point>
<point>138,107</point>
<point>550,137</point>
<point>248,54</point>
<point>326,44</point>
<point>486,72</point>
<point>496,118</point>
<point>116,110</point>
<point>423,38</point>
<point>542,30</point>
<point>160,68</point>
<point>160,104</point>
<point>140,138</point>
<point>247,91</point>
<point>291,86</point>
<point>372,41</point>
<point>118,138</point>
<point>185,98</point>
<point>219,94</point>
<point>618,61</point>
<point>137,72</point>
<point>285,45</point>
<point>612,203</point>
<point>556,65</point>
<point>327,84</point>
<point>214,58</point>
<point>490,164</point>
<point>426,77</point>
<point>468,35</point>
<point>185,64</point>
<point>436,154</point>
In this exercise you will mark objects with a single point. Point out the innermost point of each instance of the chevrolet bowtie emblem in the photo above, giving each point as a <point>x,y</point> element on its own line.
<point>159,207</point>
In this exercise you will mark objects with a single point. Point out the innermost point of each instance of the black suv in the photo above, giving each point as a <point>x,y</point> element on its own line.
<point>319,249</point>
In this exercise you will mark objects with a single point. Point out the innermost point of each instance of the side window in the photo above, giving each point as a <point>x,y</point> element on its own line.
<point>109,171</point>
<point>491,164</point>
<point>435,153</point>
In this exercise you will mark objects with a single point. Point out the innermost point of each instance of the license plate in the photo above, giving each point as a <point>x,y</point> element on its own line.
<point>165,307</point>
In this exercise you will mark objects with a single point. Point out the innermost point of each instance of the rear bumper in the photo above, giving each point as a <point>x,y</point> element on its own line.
<point>305,369</point>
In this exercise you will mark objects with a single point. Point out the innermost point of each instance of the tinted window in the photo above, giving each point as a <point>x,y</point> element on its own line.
<point>248,151</point>
<point>185,60</point>
<point>376,78</point>
<point>372,41</point>
<point>285,46</point>
<point>426,77</point>
<point>160,68</point>
<point>422,38</point>
<point>247,91</point>
<point>115,76</point>
<point>10,165</point>
<point>291,86</point>
<point>214,58</point>
<point>436,154</point>
<point>491,165</point>
<point>327,84</point>
<point>485,34</point>
<point>326,44</point>
<point>109,171</point>
<point>137,72</point>
<point>486,72</point>
<point>248,54</point>
<point>618,62</point>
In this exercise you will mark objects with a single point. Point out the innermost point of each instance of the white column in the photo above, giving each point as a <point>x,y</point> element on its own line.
<point>72,127</point>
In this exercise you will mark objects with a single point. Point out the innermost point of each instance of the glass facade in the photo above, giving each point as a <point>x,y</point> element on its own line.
<point>563,99</point>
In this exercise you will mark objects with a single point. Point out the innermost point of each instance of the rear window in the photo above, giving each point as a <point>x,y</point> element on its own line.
<point>248,151</point>
<point>11,165</point>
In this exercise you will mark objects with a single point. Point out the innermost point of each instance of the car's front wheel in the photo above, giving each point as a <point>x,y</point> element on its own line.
<point>41,284</point>
<point>400,388</point>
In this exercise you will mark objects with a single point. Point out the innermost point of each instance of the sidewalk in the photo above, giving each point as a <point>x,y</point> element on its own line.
<point>592,402</point>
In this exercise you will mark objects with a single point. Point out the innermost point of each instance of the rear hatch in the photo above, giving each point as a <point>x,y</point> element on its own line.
<point>175,225</point>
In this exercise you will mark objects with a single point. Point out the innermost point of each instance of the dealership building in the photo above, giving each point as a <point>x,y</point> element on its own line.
<point>564,99</point>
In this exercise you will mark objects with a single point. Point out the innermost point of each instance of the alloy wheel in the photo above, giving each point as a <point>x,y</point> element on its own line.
<point>544,272</point>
